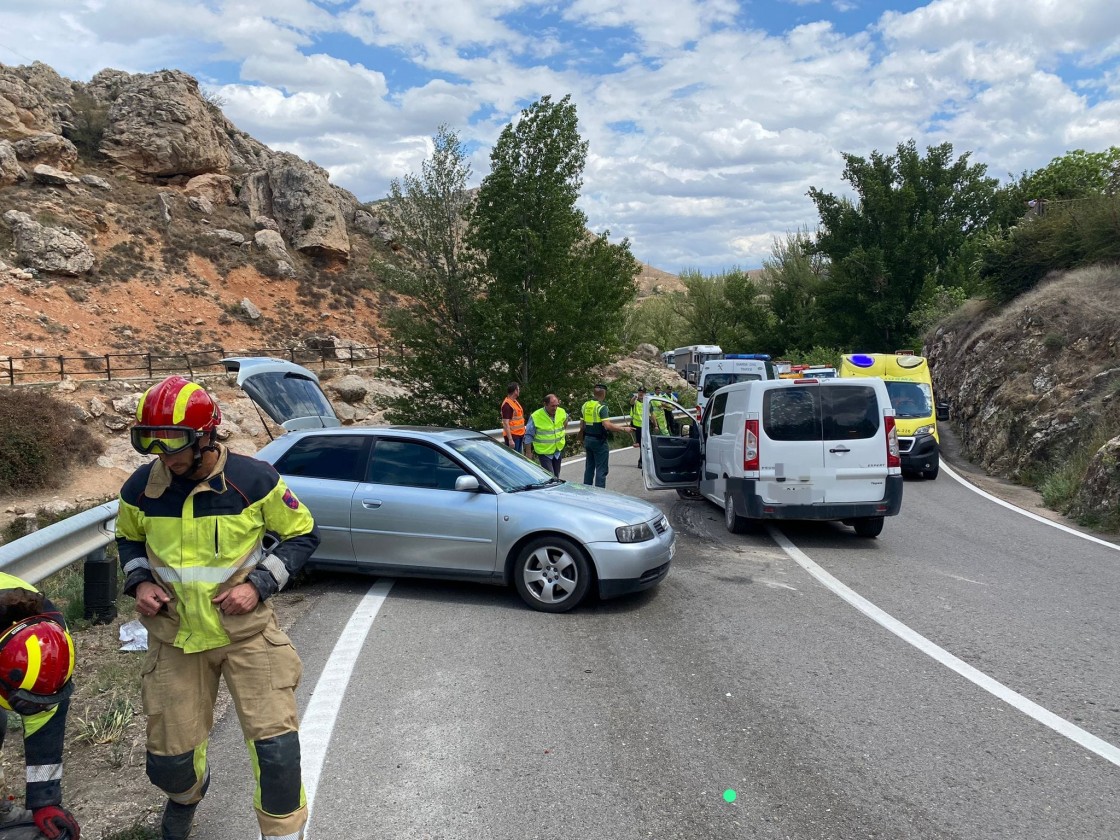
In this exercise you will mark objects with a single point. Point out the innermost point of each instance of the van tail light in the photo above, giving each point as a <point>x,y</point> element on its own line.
<point>750,446</point>
<point>894,458</point>
<point>699,415</point>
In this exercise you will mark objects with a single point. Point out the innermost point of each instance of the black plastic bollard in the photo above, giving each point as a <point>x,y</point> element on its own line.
<point>100,587</point>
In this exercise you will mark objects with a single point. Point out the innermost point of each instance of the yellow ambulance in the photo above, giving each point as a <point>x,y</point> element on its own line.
<point>911,391</point>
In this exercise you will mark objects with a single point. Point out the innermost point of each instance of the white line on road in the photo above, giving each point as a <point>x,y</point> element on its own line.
<point>1028,707</point>
<point>1027,513</point>
<point>318,721</point>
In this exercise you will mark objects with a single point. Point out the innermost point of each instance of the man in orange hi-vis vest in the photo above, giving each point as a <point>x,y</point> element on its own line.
<point>513,418</point>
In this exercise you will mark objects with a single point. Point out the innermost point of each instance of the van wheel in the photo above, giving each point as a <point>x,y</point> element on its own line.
<point>735,524</point>
<point>872,526</point>
<point>688,494</point>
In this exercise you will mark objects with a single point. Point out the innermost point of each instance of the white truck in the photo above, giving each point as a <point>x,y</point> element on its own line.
<point>734,367</point>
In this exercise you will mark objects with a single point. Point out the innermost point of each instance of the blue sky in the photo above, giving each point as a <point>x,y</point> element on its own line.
<point>707,120</point>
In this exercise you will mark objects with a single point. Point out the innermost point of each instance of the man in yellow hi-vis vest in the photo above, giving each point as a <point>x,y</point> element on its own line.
<point>594,424</point>
<point>545,436</point>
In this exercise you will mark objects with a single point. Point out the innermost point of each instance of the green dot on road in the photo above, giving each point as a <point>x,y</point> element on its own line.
<point>729,795</point>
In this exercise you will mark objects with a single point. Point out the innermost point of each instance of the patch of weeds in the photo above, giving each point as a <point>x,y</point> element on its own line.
<point>108,726</point>
<point>77,293</point>
<point>137,832</point>
<point>1053,341</point>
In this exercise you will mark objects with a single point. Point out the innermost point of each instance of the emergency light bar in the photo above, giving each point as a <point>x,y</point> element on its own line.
<point>762,357</point>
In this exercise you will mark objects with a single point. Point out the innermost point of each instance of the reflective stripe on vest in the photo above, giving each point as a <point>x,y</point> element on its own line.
<point>517,422</point>
<point>549,437</point>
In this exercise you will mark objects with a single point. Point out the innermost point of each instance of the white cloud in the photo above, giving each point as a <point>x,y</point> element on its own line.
<point>704,135</point>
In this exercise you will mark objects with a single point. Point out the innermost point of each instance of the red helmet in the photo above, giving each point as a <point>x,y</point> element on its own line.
<point>36,663</point>
<point>172,416</point>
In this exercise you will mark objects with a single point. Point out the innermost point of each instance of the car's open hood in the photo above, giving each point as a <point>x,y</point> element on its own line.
<point>286,392</point>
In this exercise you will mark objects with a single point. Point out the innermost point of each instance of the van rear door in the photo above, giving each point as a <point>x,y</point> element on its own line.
<point>791,455</point>
<point>855,453</point>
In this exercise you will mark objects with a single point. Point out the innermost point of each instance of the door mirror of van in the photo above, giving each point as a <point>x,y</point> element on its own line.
<point>943,411</point>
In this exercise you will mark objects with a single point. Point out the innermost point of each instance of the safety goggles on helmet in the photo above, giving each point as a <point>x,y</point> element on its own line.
<point>163,440</point>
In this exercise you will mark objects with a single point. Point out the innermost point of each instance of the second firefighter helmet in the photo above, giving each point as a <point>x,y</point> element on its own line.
<point>36,664</point>
<point>172,416</point>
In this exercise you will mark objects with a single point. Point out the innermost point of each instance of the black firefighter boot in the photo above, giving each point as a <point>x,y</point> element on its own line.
<point>177,821</point>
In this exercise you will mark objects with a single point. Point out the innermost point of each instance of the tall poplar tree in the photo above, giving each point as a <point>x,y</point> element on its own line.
<point>447,363</point>
<point>554,291</point>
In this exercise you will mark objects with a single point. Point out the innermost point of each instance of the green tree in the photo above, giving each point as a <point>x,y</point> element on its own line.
<point>554,292</point>
<point>1076,174</point>
<point>912,217</point>
<point>704,307</point>
<point>749,318</point>
<point>657,320</point>
<point>447,364</point>
<point>791,280</point>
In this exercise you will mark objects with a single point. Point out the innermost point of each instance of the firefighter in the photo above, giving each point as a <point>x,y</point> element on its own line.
<point>191,532</point>
<point>36,666</point>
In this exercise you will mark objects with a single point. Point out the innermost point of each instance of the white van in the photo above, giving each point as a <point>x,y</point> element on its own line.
<point>787,449</point>
<point>732,368</point>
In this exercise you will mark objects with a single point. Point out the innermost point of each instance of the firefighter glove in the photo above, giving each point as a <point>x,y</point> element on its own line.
<point>55,822</point>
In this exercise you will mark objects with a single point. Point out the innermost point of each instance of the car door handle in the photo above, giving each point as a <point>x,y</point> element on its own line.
<point>371,504</point>
<point>840,449</point>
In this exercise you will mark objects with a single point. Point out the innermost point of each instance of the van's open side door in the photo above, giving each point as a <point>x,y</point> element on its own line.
<point>670,461</point>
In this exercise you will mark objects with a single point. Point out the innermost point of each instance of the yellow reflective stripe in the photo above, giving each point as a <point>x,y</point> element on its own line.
<point>34,662</point>
<point>70,648</point>
<point>179,414</point>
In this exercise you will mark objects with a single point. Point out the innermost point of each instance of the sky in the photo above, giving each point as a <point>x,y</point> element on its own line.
<point>707,121</point>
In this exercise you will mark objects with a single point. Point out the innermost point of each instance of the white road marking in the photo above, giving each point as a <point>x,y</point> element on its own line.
<point>318,721</point>
<point>1027,513</point>
<point>961,578</point>
<point>1028,707</point>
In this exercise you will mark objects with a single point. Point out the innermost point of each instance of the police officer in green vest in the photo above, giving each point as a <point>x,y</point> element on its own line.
<point>636,418</point>
<point>544,434</point>
<point>595,425</point>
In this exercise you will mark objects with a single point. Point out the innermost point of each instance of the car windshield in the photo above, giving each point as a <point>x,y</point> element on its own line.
<point>501,464</point>
<point>911,399</point>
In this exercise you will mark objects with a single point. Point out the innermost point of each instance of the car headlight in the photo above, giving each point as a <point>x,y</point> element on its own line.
<point>924,430</point>
<point>634,533</point>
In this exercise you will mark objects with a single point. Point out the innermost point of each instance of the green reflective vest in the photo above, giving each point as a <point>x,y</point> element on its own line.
<point>592,413</point>
<point>548,436</point>
<point>636,414</point>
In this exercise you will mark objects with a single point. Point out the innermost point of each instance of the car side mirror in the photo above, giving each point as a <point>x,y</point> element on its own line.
<point>943,410</point>
<point>466,483</point>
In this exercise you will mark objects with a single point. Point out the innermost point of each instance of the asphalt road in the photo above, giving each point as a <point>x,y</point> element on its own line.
<point>742,675</point>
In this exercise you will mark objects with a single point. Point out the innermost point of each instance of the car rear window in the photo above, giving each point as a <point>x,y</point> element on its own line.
<point>339,457</point>
<point>841,412</point>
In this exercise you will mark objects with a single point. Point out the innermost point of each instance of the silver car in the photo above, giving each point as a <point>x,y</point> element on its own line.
<point>451,503</point>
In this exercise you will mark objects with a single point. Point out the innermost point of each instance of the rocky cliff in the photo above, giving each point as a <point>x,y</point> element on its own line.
<point>136,217</point>
<point>1037,384</point>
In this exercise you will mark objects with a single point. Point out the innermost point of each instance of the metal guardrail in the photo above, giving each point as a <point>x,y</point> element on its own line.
<point>51,549</point>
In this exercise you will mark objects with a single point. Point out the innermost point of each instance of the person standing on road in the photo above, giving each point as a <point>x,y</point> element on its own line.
<point>191,535</point>
<point>595,425</point>
<point>545,436</point>
<point>513,419</point>
<point>657,424</point>
<point>36,666</point>
<point>636,418</point>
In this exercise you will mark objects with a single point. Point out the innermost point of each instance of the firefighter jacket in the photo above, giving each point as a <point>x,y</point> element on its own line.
<point>43,732</point>
<point>197,539</point>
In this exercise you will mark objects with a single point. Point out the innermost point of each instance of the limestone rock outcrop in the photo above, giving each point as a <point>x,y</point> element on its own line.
<point>299,196</point>
<point>24,111</point>
<point>10,170</point>
<point>51,149</point>
<point>52,249</point>
<point>160,126</point>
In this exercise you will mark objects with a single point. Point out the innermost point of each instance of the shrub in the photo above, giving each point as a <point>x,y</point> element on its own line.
<point>39,441</point>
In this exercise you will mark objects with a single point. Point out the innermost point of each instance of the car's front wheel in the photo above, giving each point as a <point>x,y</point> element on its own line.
<point>552,574</point>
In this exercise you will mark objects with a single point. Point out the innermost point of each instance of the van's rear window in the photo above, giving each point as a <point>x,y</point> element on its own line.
<point>843,412</point>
